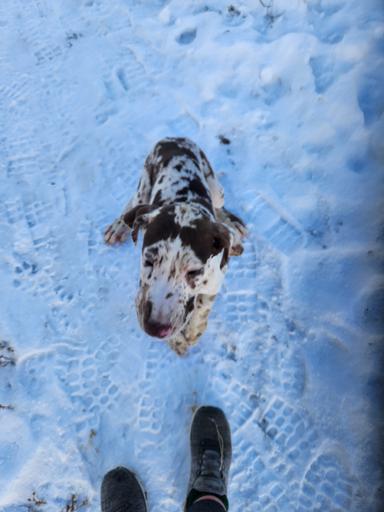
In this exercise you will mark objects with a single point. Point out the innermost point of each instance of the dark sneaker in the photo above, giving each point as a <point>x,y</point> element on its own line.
<point>211,452</point>
<point>122,492</point>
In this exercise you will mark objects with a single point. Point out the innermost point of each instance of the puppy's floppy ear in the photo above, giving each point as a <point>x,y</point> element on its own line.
<point>221,241</point>
<point>237,230</point>
<point>139,217</point>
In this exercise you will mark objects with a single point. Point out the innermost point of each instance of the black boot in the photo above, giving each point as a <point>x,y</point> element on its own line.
<point>211,452</point>
<point>121,492</point>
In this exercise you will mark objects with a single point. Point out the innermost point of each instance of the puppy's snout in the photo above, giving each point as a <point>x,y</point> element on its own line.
<point>152,327</point>
<point>157,330</point>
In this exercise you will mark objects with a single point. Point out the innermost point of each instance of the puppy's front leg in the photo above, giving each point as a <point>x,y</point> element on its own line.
<point>118,231</point>
<point>195,327</point>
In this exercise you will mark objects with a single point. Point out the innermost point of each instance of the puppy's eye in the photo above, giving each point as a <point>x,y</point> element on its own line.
<point>192,274</point>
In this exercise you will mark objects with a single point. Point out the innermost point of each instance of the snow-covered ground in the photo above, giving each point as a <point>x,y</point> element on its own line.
<point>286,98</point>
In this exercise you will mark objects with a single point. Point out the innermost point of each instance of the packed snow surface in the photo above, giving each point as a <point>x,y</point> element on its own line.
<point>286,98</point>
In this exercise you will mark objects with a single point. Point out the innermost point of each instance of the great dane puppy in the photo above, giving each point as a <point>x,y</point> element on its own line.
<point>188,238</point>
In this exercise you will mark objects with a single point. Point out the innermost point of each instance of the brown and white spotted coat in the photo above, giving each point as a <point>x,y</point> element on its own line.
<point>188,238</point>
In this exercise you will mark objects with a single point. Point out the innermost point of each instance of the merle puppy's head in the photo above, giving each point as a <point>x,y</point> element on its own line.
<point>184,254</point>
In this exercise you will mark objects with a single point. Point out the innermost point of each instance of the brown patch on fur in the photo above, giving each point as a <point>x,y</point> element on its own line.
<point>135,218</point>
<point>158,198</point>
<point>167,150</point>
<point>196,192</point>
<point>206,204</point>
<point>151,170</point>
<point>196,186</point>
<point>206,238</point>
<point>163,227</point>
<point>189,307</point>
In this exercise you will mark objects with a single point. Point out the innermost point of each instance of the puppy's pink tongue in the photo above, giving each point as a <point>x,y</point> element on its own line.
<point>165,331</point>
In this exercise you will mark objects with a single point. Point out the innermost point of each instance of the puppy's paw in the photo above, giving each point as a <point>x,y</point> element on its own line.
<point>116,233</point>
<point>180,346</point>
<point>236,250</point>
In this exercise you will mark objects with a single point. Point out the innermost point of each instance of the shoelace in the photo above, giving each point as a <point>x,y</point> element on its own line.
<point>211,464</point>
<point>212,461</point>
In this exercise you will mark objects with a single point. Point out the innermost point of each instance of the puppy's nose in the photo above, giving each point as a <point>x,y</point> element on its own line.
<point>157,330</point>
<point>152,327</point>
